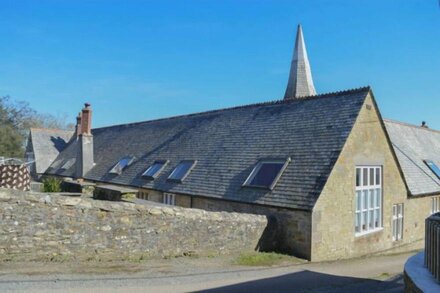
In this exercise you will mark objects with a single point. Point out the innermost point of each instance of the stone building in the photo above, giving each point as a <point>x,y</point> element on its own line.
<point>334,178</point>
<point>43,146</point>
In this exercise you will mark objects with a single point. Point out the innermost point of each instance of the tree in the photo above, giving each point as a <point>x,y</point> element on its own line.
<point>16,118</point>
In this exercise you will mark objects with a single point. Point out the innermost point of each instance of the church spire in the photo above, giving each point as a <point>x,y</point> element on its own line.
<point>300,83</point>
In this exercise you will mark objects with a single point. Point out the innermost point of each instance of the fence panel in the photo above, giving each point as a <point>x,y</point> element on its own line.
<point>15,176</point>
<point>432,245</point>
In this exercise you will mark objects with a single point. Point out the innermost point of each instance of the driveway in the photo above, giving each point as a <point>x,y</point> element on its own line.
<point>376,274</point>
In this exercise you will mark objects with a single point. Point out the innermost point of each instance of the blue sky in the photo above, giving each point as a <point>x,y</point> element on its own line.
<point>140,60</point>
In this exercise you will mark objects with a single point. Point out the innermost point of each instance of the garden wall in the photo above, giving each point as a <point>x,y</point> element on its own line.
<point>39,226</point>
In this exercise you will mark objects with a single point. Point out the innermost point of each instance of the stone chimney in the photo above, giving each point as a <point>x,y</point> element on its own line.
<point>84,161</point>
<point>86,119</point>
<point>78,125</point>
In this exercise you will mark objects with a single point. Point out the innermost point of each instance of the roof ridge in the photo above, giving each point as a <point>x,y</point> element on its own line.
<point>411,125</point>
<point>268,103</point>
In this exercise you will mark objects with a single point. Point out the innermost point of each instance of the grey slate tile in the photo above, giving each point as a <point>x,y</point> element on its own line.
<point>47,144</point>
<point>413,144</point>
<point>228,143</point>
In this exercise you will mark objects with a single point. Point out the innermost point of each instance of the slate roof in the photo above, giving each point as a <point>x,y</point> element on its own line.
<point>228,143</point>
<point>47,144</point>
<point>413,144</point>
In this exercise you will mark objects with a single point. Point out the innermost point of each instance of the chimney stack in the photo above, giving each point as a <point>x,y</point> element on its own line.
<point>78,125</point>
<point>84,161</point>
<point>86,119</point>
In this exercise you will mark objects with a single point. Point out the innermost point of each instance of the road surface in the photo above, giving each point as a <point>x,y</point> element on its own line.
<point>377,274</point>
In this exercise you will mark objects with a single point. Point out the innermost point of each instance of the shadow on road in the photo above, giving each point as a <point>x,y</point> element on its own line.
<point>308,281</point>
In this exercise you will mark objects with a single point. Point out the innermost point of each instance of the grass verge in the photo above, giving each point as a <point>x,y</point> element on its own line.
<point>265,259</point>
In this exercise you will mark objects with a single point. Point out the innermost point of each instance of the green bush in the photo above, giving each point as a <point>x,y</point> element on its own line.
<point>51,184</point>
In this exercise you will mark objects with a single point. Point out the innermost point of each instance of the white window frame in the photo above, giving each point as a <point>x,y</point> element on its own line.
<point>435,204</point>
<point>117,169</point>
<point>368,201</point>
<point>169,199</point>
<point>397,225</point>
<point>193,164</point>
<point>142,194</point>
<point>162,162</point>
<point>433,167</point>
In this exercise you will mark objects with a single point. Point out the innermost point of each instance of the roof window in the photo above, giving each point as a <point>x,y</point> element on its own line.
<point>56,164</point>
<point>121,165</point>
<point>266,173</point>
<point>68,164</point>
<point>434,168</point>
<point>154,170</point>
<point>182,170</point>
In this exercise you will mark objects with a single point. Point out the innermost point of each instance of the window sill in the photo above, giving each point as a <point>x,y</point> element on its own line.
<point>367,233</point>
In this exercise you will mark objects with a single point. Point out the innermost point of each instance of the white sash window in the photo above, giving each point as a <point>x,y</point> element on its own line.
<point>169,199</point>
<point>435,205</point>
<point>368,210</point>
<point>397,222</point>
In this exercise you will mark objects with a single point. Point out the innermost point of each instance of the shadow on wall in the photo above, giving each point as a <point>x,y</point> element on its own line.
<point>308,281</point>
<point>269,240</point>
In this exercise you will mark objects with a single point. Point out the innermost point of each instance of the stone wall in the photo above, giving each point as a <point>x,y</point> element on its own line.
<point>333,224</point>
<point>37,226</point>
<point>289,231</point>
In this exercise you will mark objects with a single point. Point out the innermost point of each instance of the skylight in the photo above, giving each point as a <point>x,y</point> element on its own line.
<point>266,173</point>
<point>182,170</point>
<point>434,168</point>
<point>68,164</point>
<point>154,169</point>
<point>56,164</point>
<point>122,164</point>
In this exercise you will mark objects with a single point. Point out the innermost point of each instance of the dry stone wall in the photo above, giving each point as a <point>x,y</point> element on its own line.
<point>39,226</point>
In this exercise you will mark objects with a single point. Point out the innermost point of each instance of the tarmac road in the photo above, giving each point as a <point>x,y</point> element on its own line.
<point>377,274</point>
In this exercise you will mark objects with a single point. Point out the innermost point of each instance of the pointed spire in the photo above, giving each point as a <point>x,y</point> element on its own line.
<point>300,83</point>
